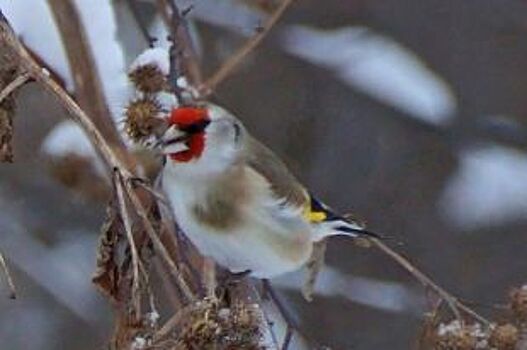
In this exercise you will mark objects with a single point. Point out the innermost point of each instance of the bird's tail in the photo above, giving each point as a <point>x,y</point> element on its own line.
<point>328,223</point>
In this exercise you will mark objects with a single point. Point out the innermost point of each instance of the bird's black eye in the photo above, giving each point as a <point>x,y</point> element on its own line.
<point>196,127</point>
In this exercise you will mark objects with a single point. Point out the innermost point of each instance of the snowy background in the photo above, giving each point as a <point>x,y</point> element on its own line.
<point>410,114</point>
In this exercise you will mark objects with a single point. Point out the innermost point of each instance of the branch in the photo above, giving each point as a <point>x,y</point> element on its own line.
<point>231,64</point>
<point>184,59</point>
<point>10,283</point>
<point>127,223</point>
<point>19,81</point>
<point>454,304</point>
<point>158,244</point>
<point>115,159</point>
<point>88,88</point>
<point>136,14</point>
<point>112,157</point>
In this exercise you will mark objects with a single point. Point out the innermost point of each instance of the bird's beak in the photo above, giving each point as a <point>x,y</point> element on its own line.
<point>173,141</point>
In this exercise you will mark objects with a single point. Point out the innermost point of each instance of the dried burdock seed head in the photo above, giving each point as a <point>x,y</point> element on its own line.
<point>459,336</point>
<point>211,326</point>
<point>504,337</point>
<point>148,79</point>
<point>462,340</point>
<point>142,119</point>
<point>518,303</point>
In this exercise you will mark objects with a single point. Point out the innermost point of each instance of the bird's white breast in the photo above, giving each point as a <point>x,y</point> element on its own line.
<point>269,238</point>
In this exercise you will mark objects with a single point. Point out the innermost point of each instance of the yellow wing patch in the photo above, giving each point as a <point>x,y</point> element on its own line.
<point>313,216</point>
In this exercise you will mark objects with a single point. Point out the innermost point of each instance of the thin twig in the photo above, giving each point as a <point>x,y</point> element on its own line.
<point>14,85</point>
<point>209,277</point>
<point>292,324</point>
<point>173,322</point>
<point>156,194</point>
<point>454,304</point>
<point>127,222</point>
<point>114,160</point>
<point>210,84</point>
<point>266,317</point>
<point>288,337</point>
<point>172,293</point>
<point>136,13</point>
<point>159,246</point>
<point>11,285</point>
<point>184,59</point>
<point>88,86</point>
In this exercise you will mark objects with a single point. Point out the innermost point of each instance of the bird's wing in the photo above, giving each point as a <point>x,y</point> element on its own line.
<point>286,187</point>
<point>283,184</point>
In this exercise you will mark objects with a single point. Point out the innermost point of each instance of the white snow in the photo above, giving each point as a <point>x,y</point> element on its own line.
<point>100,24</point>
<point>157,56</point>
<point>167,100</point>
<point>33,22</point>
<point>378,66</point>
<point>67,138</point>
<point>488,189</point>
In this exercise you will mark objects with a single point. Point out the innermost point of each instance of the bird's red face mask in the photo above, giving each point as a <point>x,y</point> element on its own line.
<point>184,139</point>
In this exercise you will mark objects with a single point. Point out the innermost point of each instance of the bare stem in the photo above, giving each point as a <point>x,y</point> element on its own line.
<point>454,304</point>
<point>14,85</point>
<point>12,289</point>
<point>88,86</point>
<point>184,58</point>
<point>159,246</point>
<point>136,13</point>
<point>127,222</point>
<point>228,67</point>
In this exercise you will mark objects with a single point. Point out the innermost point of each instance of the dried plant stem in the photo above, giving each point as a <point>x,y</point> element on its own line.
<point>288,337</point>
<point>454,304</point>
<point>9,279</point>
<point>88,87</point>
<point>136,13</point>
<point>265,316</point>
<point>127,222</point>
<point>159,246</point>
<point>14,85</point>
<point>210,84</point>
<point>292,326</point>
<point>173,322</point>
<point>209,277</point>
<point>184,58</point>
<point>113,157</point>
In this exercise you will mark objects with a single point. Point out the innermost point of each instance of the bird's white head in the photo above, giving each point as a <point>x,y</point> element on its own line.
<point>202,139</point>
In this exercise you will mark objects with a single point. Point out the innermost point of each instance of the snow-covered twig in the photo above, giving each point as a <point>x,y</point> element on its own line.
<point>127,223</point>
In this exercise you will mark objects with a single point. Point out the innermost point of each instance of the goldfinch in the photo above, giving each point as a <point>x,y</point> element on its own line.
<point>235,200</point>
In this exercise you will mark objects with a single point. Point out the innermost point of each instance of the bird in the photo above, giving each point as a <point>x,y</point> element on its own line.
<point>235,200</point>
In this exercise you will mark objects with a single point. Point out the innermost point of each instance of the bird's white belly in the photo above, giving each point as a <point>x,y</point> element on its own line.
<point>261,243</point>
